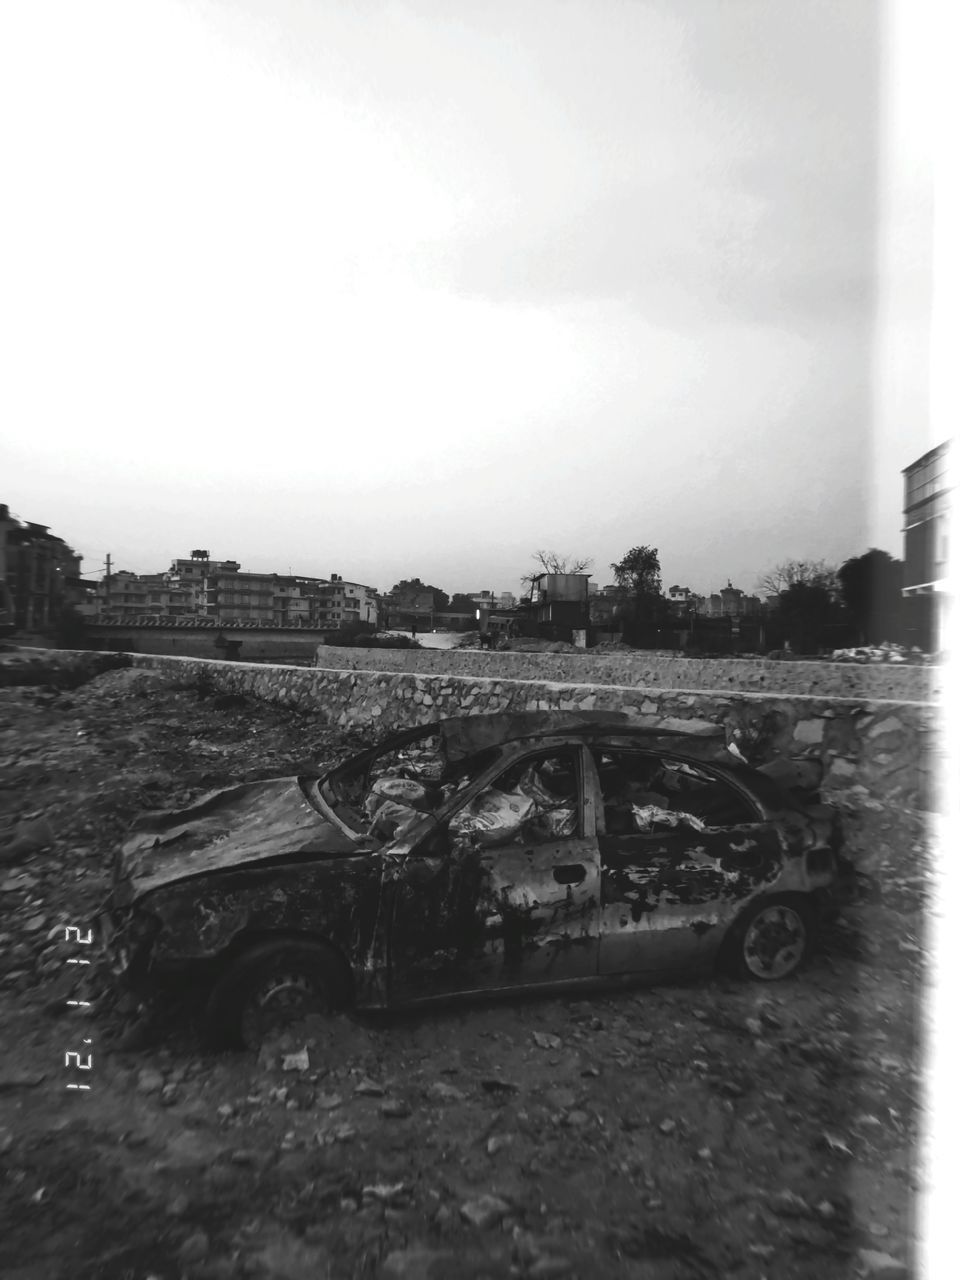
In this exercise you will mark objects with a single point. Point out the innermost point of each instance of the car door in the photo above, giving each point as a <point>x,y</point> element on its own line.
<point>682,848</point>
<point>503,892</point>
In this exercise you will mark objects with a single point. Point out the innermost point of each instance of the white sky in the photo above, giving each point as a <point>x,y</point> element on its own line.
<point>414,289</point>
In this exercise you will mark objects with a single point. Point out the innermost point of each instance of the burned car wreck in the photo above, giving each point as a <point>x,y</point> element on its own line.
<point>472,855</point>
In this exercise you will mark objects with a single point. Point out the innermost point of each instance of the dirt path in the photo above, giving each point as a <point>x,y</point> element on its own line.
<point>688,1131</point>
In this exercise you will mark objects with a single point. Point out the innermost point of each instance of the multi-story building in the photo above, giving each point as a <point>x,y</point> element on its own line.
<point>218,589</point>
<point>187,576</point>
<point>123,595</point>
<point>926,514</point>
<point>39,572</point>
<point>360,602</point>
<point>234,596</point>
<point>344,604</point>
<point>927,489</point>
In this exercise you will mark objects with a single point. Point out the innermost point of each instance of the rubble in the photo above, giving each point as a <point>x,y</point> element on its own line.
<point>621,1134</point>
<point>485,1211</point>
<point>887,651</point>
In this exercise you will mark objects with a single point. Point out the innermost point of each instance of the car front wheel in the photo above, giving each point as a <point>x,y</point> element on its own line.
<point>773,939</point>
<point>272,986</point>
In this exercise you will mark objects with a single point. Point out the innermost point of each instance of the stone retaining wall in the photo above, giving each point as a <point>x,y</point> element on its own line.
<point>902,681</point>
<point>881,746</point>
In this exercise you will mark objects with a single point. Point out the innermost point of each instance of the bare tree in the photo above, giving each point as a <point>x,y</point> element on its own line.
<point>792,573</point>
<point>551,562</point>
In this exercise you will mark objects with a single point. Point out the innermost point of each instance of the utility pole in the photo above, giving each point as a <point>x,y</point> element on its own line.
<point>106,598</point>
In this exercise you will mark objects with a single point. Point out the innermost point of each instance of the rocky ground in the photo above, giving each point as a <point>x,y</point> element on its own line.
<point>717,1129</point>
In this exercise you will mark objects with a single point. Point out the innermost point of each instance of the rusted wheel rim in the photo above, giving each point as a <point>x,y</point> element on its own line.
<point>281,1000</point>
<point>774,942</point>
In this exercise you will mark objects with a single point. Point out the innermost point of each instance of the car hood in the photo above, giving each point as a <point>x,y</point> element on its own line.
<point>252,822</point>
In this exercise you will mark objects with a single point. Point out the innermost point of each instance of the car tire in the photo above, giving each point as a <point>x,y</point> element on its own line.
<point>772,939</point>
<point>273,982</point>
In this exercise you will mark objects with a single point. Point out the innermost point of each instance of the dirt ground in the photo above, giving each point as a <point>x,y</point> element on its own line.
<point>717,1129</point>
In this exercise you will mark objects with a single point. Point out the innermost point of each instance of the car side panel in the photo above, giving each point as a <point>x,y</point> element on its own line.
<point>334,900</point>
<point>486,919</point>
<point>668,899</point>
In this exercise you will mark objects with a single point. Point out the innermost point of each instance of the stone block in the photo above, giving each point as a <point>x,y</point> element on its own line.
<point>889,724</point>
<point>841,770</point>
<point>808,732</point>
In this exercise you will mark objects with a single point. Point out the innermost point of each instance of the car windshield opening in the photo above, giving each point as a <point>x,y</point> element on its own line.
<point>388,793</point>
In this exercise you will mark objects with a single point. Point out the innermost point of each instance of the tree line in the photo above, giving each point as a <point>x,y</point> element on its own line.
<point>810,602</point>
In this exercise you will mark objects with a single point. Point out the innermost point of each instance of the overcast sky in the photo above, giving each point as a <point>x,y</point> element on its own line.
<point>416,288</point>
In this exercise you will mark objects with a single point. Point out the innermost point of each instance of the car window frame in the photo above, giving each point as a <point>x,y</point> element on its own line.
<point>511,760</point>
<point>717,772</point>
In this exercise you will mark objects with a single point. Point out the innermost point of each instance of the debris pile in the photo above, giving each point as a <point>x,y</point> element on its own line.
<point>885,652</point>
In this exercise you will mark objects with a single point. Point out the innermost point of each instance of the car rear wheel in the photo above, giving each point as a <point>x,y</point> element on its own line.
<point>272,986</point>
<point>773,939</point>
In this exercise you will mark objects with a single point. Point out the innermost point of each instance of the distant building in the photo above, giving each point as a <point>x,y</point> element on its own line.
<point>926,514</point>
<point>184,581</point>
<point>731,602</point>
<point>411,607</point>
<point>559,603</point>
<point>927,486</point>
<point>123,595</point>
<point>288,600</point>
<point>686,601</point>
<point>39,575</point>
<point>203,588</point>
<point>347,603</point>
<point>238,597</point>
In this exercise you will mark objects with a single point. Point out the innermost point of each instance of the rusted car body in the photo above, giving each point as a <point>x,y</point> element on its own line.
<point>471,855</point>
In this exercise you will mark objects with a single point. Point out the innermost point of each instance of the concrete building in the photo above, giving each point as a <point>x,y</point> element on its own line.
<point>345,604</point>
<point>123,595</point>
<point>927,505</point>
<point>40,575</point>
<point>237,597</point>
<point>288,600</point>
<point>202,588</point>
<point>185,581</point>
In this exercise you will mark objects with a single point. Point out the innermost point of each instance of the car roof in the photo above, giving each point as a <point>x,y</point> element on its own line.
<point>464,736</point>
